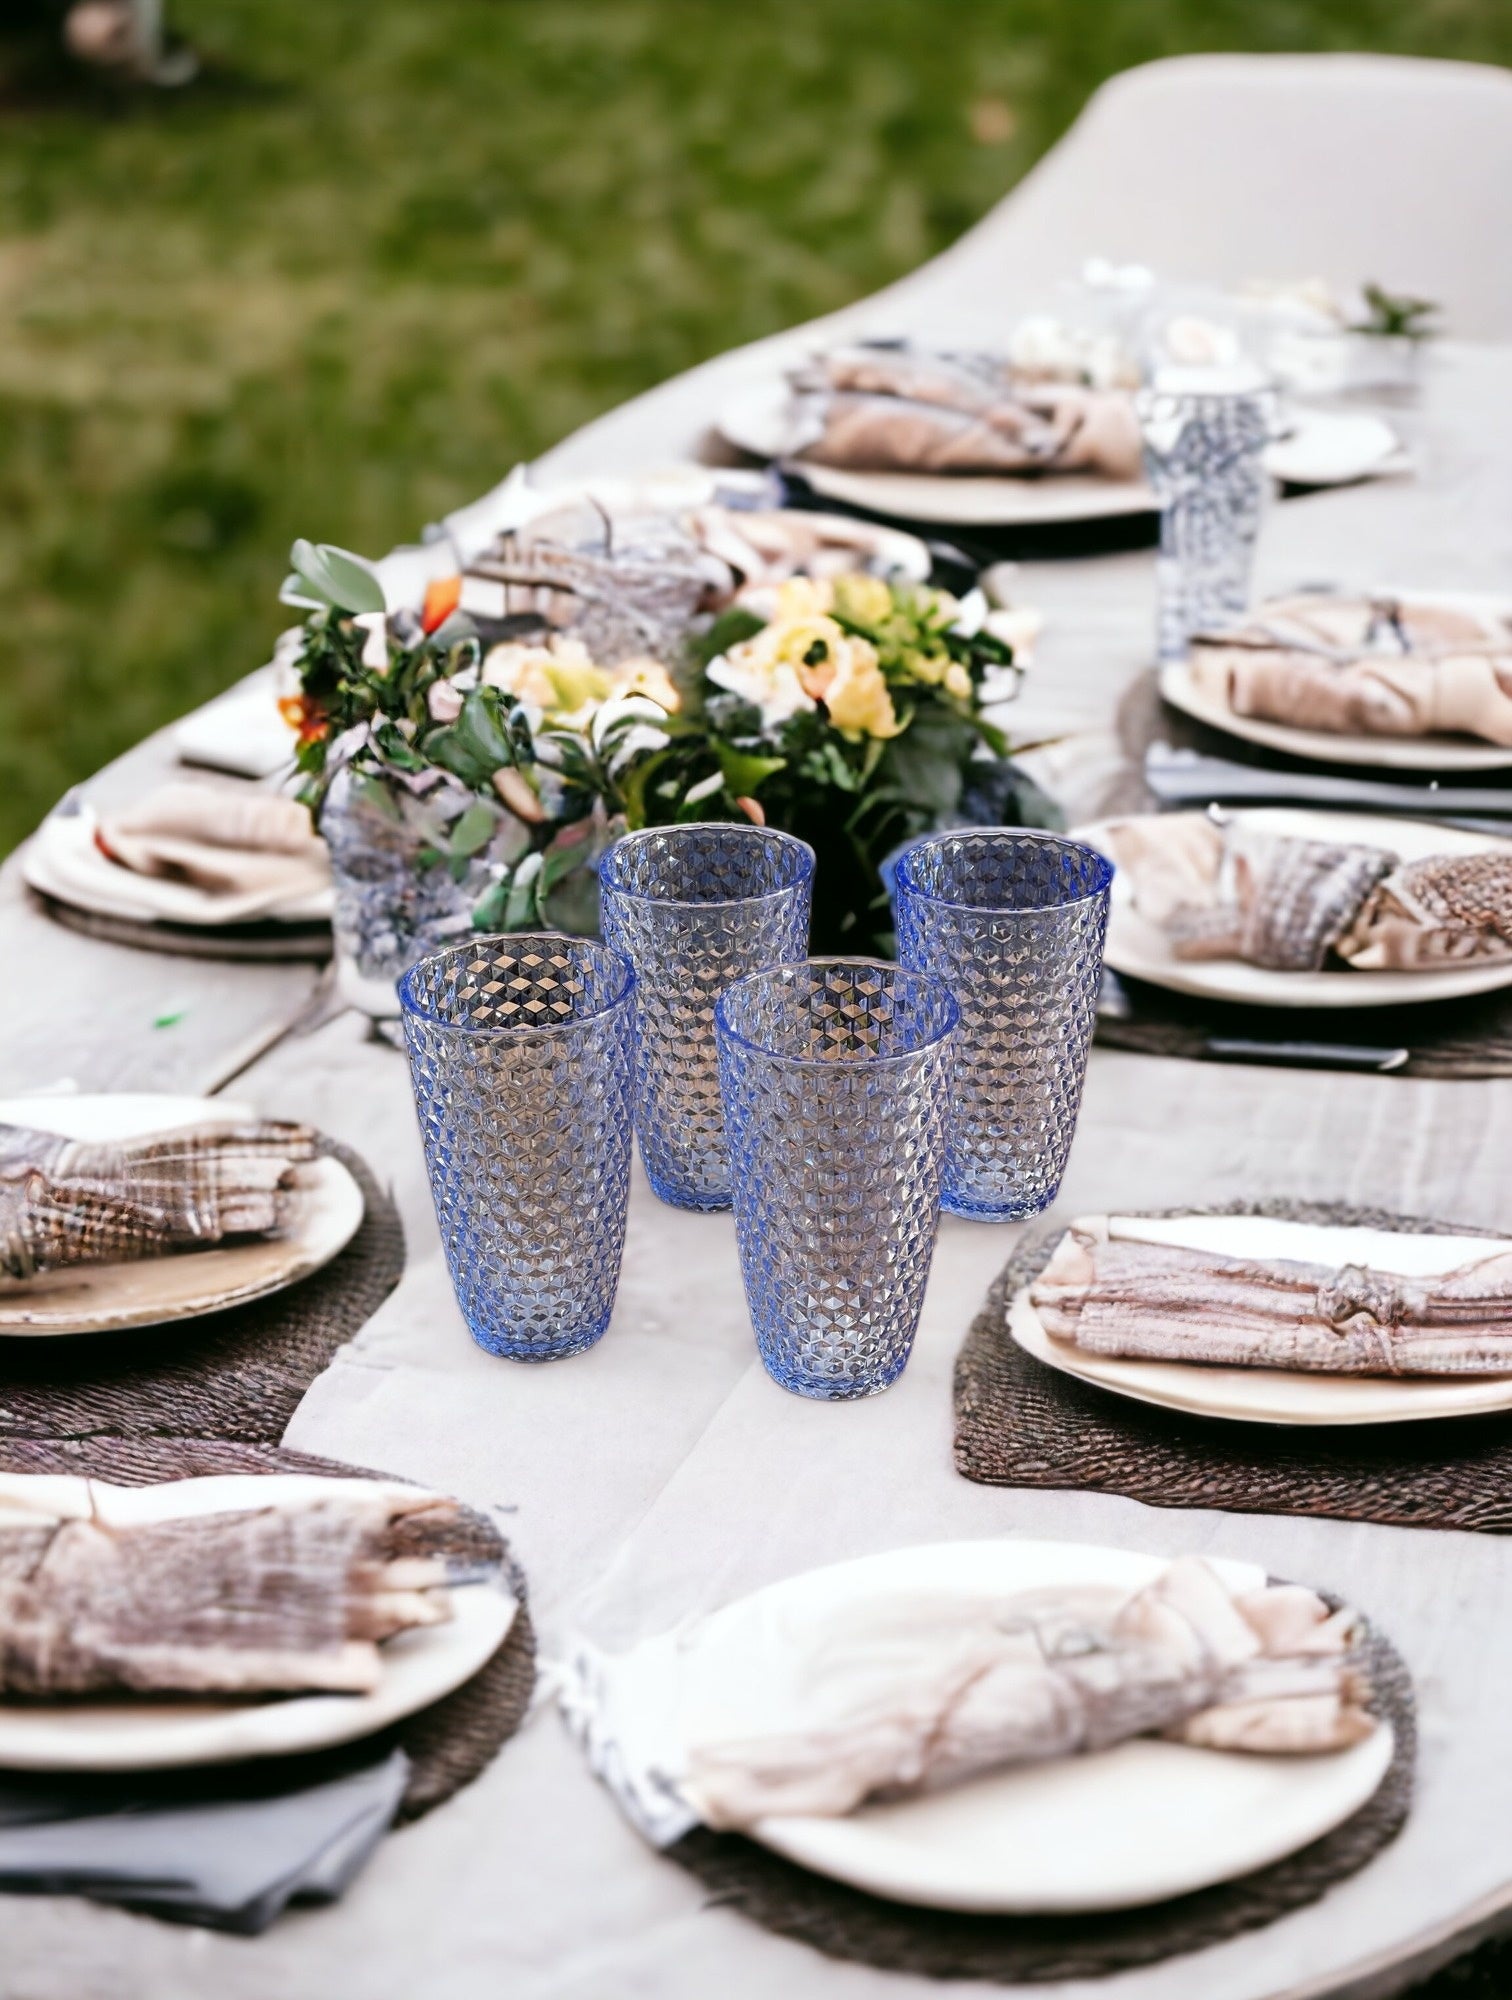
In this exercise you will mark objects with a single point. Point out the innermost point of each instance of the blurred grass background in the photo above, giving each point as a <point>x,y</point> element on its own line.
<point>382,249</point>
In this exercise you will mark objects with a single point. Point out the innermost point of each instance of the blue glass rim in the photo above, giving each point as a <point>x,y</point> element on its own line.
<point>900,974</point>
<point>1103,870</point>
<point>614,961</point>
<point>803,862</point>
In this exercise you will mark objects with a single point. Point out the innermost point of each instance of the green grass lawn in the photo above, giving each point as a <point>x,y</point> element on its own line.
<point>385,248</point>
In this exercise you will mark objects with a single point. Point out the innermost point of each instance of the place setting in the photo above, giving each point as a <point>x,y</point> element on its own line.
<point>1049,431</point>
<point>1018,1761</point>
<point>194,868</point>
<point>229,1668</point>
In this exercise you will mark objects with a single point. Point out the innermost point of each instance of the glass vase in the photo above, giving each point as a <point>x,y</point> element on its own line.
<point>398,895</point>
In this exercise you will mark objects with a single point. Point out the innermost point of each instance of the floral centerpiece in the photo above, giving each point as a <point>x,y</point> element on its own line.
<point>466,783</point>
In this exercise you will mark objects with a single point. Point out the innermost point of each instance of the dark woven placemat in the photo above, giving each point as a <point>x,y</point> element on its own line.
<point>234,1374</point>
<point>1020,1423</point>
<point>215,1395</point>
<point>266,942</point>
<point>941,1944</point>
<point>1445,1038</point>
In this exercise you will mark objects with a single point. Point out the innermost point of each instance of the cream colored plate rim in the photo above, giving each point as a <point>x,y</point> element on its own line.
<point>1137,948</point>
<point>754,420</point>
<point>159,1291</point>
<point>1386,753</point>
<point>419,1667</point>
<point>1268,1395</point>
<point>70,837</point>
<point>1135,1825</point>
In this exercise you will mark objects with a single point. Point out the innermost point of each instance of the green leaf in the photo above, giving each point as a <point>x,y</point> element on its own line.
<point>521,908</point>
<point>728,629</point>
<point>478,743</point>
<point>474,830</point>
<point>488,911</point>
<point>336,576</point>
<point>743,770</point>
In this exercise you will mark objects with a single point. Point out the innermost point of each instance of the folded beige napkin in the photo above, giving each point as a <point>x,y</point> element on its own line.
<point>1227,890</point>
<point>910,1694</point>
<point>1364,666</point>
<point>292,1596</point>
<point>764,546</point>
<point>246,852</point>
<point>1109,1294</point>
<point>904,410</point>
<point>67,1202</point>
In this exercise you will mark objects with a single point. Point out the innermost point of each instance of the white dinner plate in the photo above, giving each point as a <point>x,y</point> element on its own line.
<point>1387,753</point>
<point>419,1666</point>
<point>1128,1826</point>
<point>61,860</point>
<point>1321,448</point>
<point>1141,950</point>
<point>103,1298</point>
<point>1277,1395</point>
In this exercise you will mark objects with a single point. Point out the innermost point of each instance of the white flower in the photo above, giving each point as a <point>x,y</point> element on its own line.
<point>642,736</point>
<point>776,690</point>
<point>971,614</point>
<point>1018,626</point>
<point>375,646</point>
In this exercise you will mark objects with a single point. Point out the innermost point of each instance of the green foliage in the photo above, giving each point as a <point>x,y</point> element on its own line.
<point>1393,315</point>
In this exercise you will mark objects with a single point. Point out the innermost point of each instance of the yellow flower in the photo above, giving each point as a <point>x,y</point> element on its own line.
<point>559,677</point>
<point>804,597</point>
<point>856,694</point>
<point>958,681</point>
<point>863,599</point>
<point>931,668</point>
<point>650,678</point>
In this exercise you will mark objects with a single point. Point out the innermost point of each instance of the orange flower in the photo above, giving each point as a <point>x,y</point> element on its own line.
<point>306,717</point>
<point>441,599</point>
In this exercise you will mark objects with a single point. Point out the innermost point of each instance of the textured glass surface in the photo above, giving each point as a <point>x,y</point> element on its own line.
<point>835,1076</point>
<point>692,908</point>
<point>395,898</point>
<point>1013,923</point>
<point>1203,455</point>
<point>521,1052</point>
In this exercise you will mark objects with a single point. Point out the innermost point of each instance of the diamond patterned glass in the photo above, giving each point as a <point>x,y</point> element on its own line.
<point>1204,458</point>
<point>1013,923</point>
<point>835,1076</point>
<point>521,1053</point>
<point>693,908</point>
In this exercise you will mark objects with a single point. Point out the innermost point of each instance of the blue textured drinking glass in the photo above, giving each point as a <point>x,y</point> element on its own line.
<point>521,1053</point>
<point>1205,457</point>
<point>835,1075</point>
<point>1013,923</point>
<point>693,908</point>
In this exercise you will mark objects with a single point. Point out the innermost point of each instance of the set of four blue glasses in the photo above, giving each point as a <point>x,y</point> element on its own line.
<point>836,1104</point>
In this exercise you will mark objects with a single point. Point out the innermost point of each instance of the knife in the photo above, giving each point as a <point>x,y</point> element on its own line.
<point>1306,1055</point>
<point>1183,777</point>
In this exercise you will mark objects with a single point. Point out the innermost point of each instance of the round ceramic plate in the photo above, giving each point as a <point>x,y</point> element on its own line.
<point>61,860</point>
<point>419,1666</point>
<point>102,1298</point>
<point>1385,753</point>
<point>1276,1395</point>
<point>1321,448</point>
<point>1133,1825</point>
<point>1139,949</point>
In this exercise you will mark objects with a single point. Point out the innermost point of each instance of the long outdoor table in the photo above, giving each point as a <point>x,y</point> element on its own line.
<point>662,1473</point>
